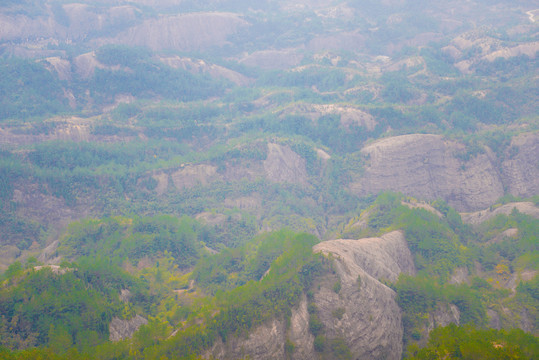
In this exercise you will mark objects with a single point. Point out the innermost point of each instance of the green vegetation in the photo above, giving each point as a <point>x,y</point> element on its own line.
<point>122,239</point>
<point>140,76</point>
<point>63,307</point>
<point>235,267</point>
<point>28,89</point>
<point>122,135</point>
<point>420,296</point>
<point>243,307</point>
<point>472,343</point>
<point>94,284</point>
<point>435,242</point>
<point>442,244</point>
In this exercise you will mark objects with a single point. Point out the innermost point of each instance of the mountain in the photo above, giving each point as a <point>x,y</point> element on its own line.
<point>152,152</point>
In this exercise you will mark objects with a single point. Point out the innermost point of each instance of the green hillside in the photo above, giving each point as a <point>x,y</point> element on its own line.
<point>177,161</point>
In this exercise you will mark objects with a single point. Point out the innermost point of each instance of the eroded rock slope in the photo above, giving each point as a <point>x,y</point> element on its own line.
<point>432,167</point>
<point>371,322</point>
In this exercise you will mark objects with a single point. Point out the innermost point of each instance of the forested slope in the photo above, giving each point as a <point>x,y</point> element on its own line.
<point>210,178</point>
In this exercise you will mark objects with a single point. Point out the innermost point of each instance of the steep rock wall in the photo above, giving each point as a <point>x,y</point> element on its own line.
<point>520,170</point>
<point>371,323</point>
<point>431,167</point>
<point>284,165</point>
<point>183,32</point>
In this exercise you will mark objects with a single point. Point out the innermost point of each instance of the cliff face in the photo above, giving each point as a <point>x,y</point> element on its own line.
<point>283,165</point>
<point>429,166</point>
<point>182,32</point>
<point>371,323</point>
<point>371,319</point>
<point>520,170</point>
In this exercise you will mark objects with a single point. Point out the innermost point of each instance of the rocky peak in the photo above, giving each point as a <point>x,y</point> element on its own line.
<point>371,323</point>
<point>369,320</point>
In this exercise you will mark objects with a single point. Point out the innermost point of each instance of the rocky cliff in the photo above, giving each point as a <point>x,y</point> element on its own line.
<point>122,329</point>
<point>368,318</point>
<point>520,169</point>
<point>371,323</point>
<point>430,166</point>
<point>182,32</point>
<point>284,165</point>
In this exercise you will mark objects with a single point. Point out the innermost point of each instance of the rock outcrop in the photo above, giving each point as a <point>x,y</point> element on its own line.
<point>192,175</point>
<point>67,23</point>
<point>198,66</point>
<point>481,216</point>
<point>265,342</point>
<point>520,170</point>
<point>350,116</point>
<point>370,323</point>
<point>284,166</point>
<point>122,329</point>
<point>185,32</point>
<point>443,316</point>
<point>431,167</point>
<point>273,59</point>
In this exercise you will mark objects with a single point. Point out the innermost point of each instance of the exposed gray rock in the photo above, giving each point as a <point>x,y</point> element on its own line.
<point>244,170</point>
<point>48,254</point>
<point>494,319</point>
<point>526,321</point>
<point>191,31</point>
<point>125,295</point>
<point>61,66</point>
<point>414,204</point>
<point>122,329</point>
<point>521,167</point>
<point>284,165</point>
<point>162,182</point>
<point>426,166</point>
<point>265,342</point>
<point>381,258</point>
<point>371,324</point>
<point>299,334</point>
<point>478,217</point>
<point>443,316</point>
<point>459,276</point>
<point>349,115</point>
<point>192,175</point>
<point>430,167</point>
<point>200,66</point>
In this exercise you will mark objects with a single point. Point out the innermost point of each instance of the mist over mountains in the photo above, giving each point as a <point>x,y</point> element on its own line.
<point>272,179</point>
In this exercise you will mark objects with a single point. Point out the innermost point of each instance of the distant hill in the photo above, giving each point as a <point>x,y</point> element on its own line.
<point>208,175</point>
